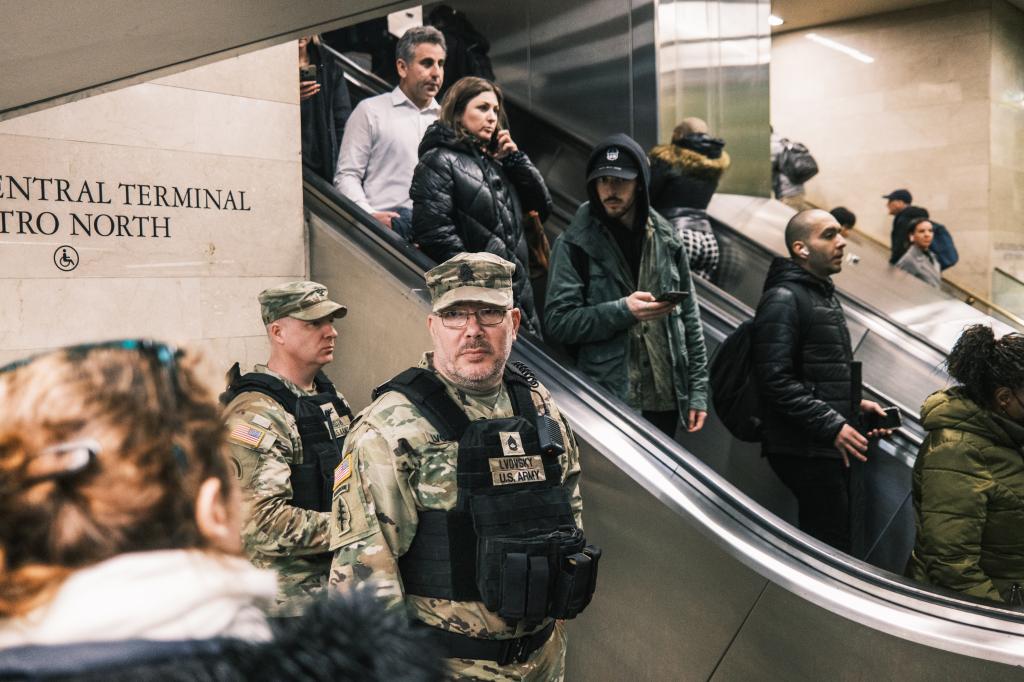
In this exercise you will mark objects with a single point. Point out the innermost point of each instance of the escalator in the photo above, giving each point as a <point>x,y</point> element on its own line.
<point>699,581</point>
<point>705,506</point>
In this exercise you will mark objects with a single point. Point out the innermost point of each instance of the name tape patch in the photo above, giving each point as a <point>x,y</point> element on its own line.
<point>512,470</point>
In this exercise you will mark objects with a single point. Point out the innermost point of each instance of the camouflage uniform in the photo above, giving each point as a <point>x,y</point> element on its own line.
<point>263,440</point>
<point>395,466</point>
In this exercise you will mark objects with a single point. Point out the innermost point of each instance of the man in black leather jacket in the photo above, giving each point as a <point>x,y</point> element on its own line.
<point>803,363</point>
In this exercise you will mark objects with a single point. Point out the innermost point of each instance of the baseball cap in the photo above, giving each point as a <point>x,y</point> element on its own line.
<point>471,278</point>
<point>616,162</point>
<point>302,300</point>
<point>899,195</point>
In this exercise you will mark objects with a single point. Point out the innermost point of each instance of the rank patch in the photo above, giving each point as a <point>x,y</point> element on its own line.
<point>511,443</point>
<point>342,471</point>
<point>246,435</point>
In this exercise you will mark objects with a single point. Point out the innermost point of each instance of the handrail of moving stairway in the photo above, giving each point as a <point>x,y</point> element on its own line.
<point>870,582</point>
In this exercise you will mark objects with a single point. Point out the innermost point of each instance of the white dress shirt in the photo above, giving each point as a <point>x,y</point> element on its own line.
<point>379,151</point>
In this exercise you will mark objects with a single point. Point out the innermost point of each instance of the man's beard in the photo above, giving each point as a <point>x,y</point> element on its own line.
<point>479,377</point>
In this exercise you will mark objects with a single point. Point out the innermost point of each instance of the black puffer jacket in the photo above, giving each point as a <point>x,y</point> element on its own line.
<point>348,638</point>
<point>802,361</point>
<point>684,178</point>
<point>464,200</point>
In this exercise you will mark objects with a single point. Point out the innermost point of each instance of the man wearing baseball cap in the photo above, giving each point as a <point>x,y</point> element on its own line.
<point>618,274</point>
<point>286,425</point>
<point>459,492</point>
<point>898,201</point>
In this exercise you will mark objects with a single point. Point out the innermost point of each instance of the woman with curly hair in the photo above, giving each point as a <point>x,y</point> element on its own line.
<point>120,546</point>
<point>968,484</point>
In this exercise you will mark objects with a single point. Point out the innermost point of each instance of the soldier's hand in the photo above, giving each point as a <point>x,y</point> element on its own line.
<point>644,307</point>
<point>850,443</point>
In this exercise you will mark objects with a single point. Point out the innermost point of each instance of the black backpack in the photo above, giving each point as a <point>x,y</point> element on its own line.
<point>796,162</point>
<point>734,391</point>
<point>733,388</point>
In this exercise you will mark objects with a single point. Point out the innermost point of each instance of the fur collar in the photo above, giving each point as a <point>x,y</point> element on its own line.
<point>690,162</point>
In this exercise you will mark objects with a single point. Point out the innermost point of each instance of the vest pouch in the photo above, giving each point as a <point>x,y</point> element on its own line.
<point>516,575</point>
<point>575,583</point>
<point>307,482</point>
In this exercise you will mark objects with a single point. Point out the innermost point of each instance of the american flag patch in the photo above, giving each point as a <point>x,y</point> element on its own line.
<point>343,470</point>
<point>247,435</point>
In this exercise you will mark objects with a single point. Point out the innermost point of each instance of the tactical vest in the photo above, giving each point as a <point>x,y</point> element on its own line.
<point>312,480</point>
<point>511,541</point>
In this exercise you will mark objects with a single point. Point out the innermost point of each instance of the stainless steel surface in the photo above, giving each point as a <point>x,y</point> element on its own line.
<point>713,63</point>
<point>588,65</point>
<point>927,312</point>
<point>55,51</point>
<point>697,580</point>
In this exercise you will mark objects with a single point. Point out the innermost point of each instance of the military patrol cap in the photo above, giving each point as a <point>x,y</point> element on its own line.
<point>471,278</point>
<point>301,300</point>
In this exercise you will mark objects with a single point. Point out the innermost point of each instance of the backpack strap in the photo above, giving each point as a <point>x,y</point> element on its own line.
<point>581,264</point>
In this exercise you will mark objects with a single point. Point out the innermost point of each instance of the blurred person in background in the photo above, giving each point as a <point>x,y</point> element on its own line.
<point>324,106</point>
<point>968,481</point>
<point>846,218</point>
<point>918,260</point>
<point>684,176</point>
<point>120,549</point>
<point>473,187</point>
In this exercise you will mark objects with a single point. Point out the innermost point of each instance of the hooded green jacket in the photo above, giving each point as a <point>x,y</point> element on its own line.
<point>968,491</point>
<point>594,314</point>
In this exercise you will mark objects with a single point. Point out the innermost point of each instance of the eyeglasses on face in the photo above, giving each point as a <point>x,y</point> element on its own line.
<point>458,319</point>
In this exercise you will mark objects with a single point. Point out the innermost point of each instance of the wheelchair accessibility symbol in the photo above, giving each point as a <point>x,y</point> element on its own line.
<point>65,258</point>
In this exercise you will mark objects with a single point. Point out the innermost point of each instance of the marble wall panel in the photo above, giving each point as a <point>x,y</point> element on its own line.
<point>1007,186</point>
<point>202,241</point>
<point>154,116</point>
<point>234,76</point>
<point>229,126</point>
<point>916,117</point>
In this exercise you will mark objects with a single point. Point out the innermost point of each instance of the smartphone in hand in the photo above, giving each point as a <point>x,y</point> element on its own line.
<point>307,72</point>
<point>892,419</point>
<point>671,296</point>
<point>492,145</point>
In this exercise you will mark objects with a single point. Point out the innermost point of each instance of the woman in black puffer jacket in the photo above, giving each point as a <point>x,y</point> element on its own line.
<point>472,186</point>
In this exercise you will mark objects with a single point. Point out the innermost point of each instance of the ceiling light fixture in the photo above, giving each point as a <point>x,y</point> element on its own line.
<point>775,21</point>
<point>839,47</point>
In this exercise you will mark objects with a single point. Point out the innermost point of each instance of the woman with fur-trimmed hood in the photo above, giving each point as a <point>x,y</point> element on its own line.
<point>684,175</point>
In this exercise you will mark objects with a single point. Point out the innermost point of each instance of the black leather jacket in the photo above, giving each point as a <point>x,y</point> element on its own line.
<point>464,200</point>
<point>802,361</point>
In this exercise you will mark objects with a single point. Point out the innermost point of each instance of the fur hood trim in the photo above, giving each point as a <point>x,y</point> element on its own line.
<point>690,162</point>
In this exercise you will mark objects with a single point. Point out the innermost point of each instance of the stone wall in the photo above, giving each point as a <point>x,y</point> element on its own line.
<point>120,234</point>
<point>918,116</point>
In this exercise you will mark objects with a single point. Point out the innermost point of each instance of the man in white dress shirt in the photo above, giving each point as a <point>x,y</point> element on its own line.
<point>380,149</point>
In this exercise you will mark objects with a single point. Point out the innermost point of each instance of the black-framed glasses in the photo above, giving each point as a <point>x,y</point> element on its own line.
<point>486,317</point>
<point>163,355</point>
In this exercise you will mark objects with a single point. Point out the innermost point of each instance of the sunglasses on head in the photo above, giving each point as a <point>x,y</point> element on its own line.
<point>163,356</point>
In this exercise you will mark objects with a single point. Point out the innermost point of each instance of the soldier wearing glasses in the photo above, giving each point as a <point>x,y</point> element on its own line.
<point>286,425</point>
<point>458,494</point>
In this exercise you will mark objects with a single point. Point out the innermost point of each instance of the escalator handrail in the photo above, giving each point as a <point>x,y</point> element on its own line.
<point>670,454</point>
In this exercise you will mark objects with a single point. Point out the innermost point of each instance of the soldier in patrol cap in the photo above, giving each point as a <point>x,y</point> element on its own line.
<point>459,490</point>
<point>286,425</point>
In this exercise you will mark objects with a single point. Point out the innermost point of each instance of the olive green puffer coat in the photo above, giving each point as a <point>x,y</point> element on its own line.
<point>969,498</point>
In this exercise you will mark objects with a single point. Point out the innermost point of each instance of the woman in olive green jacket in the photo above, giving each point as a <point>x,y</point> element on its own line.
<point>968,484</point>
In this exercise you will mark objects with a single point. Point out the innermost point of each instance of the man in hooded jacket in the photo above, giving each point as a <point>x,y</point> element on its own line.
<point>609,269</point>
